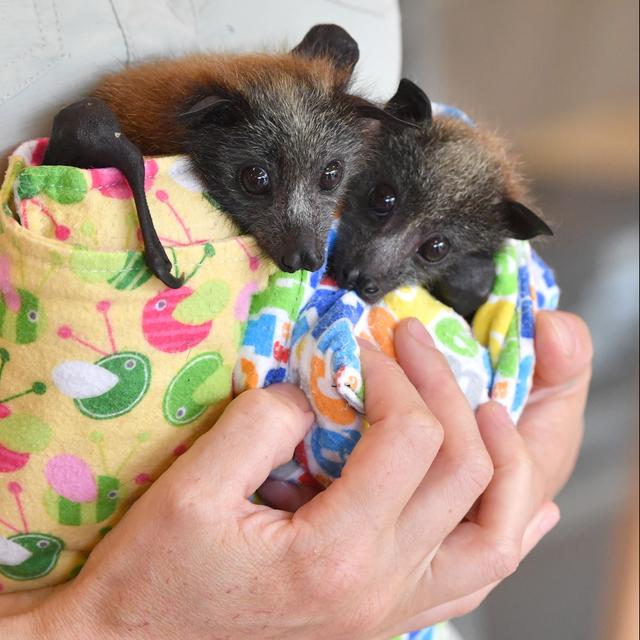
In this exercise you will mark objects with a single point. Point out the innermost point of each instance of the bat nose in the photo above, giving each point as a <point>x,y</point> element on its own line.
<point>290,262</point>
<point>368,290</point>
<point>312,260</point>
<point>365,286</point>
<point>300,255</point>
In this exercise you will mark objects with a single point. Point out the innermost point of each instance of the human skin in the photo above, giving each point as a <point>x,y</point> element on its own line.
<point>383,550</point>
<point>551,427</point>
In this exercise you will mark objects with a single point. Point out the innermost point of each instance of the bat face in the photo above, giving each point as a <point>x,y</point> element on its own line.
<point>277,143</point>
<point>277,161</point>
<point>431,200</point>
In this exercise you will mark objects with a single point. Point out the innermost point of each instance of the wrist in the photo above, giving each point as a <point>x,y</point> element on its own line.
<point>57,618</point>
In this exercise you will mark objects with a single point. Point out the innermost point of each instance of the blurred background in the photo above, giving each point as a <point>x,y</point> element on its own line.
<point>559,78</point>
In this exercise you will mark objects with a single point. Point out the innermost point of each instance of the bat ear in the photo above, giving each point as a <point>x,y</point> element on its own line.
<point>365,109</point>
<point>220,108</point>
<point>410,103</point>
<point>332,42</point>
<point>522,223</point>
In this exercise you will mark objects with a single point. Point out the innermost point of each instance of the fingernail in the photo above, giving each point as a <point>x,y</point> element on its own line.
<point>564,333</point>
<point>418,332</point>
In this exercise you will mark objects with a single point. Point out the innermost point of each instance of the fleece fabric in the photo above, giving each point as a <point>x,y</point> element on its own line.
<point>106,375</point>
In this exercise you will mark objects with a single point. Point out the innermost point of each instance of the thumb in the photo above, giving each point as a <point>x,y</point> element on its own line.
<point>563,349</point>
<point>257,432</point>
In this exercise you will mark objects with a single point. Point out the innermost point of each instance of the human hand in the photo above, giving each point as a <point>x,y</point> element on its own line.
<point>194,558</point>
<point>551,428</point>
<point>552,423</point>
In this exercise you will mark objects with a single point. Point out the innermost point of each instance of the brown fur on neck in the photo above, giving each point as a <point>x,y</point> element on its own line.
<point>149,97</point>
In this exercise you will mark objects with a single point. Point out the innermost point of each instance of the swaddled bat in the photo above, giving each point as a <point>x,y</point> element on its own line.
<point>273,137</point>
<point>431,209</point>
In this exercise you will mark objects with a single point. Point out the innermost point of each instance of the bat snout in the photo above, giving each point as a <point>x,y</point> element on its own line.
<point>369,290</point>
<point>300,253</point>
<point>366,286</point>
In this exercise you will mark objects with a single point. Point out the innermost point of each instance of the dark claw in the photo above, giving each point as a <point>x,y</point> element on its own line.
<point>87,135</point>
<point>161,267</point>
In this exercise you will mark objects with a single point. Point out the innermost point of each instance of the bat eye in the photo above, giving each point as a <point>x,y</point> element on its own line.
<point>255,180</point>
<point>33,315</point>
<point>160,305</point>
<point>331,176</point>
<point>382,199</point>
<point>42,544</point>
<point>435,248</point>
<point>113,494</point>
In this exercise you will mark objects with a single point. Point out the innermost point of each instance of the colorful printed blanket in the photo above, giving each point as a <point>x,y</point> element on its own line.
<point>106,375</point>
<point>493,359</point>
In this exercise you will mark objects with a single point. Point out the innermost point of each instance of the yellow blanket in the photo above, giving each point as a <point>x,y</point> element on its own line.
<point>105,374</point>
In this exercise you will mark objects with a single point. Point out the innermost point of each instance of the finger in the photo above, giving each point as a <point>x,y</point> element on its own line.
<point>517,493</point>
<point>563,348</point>
<point>489,548</point>
<point>552,423</point>
<point>391,457</point>
<point>257,432</point>
<point>546,518</point>
<point>463,468</point>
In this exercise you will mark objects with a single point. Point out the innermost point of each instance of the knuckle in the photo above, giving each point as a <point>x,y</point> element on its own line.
<point>524,472</point>
<point>255,404</point>
<point>476,470</point>
<point>415,436</point>
<point>386,368</point>
<point>183,502</point>
<point>503,558</point>
<point>419,426</point>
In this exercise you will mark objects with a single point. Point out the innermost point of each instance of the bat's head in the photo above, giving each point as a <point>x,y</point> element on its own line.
<point>278,140</point>
<point>430,197</point>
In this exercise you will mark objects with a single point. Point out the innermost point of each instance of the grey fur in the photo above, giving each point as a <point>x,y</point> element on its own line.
<point>293,128</point>
<point>448,180</point>
<point>293,134</point>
